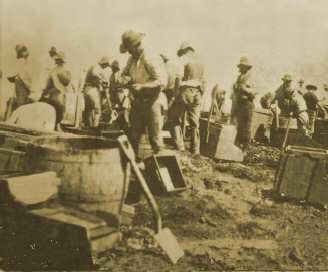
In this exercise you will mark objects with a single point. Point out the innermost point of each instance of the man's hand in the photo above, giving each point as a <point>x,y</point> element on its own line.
<point>137,87</point>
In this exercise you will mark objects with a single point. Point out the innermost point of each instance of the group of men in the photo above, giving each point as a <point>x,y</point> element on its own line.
<point>148,86</point>
<point>139,93</point>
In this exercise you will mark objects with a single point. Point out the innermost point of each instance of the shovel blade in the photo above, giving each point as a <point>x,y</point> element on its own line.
<point>169,244</point>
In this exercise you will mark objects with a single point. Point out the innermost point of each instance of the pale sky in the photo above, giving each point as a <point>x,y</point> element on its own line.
<point>280,36</point>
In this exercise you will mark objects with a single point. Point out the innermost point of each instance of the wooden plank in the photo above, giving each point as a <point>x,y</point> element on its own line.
<point>104,243</point>
<point>29,189</point>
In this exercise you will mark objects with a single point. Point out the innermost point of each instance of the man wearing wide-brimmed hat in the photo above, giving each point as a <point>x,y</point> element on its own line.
<point>291,103</point>
<point>243,105</point>
<point>22,77</point>
<point>189,98</point>
<point>58,84</point>
<point>95,83</point>
<point>148,77</point>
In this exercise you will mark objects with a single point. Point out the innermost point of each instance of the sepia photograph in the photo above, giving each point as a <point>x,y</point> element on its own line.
<point>168,135</point>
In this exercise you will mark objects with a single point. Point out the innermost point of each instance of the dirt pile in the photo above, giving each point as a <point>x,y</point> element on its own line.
<point>229,219</point>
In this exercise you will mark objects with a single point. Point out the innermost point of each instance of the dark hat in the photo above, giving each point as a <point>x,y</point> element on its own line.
<point>20,48</point>
<point>60,56</point>
<point>115,64</point>
<point>311,87</point>
<point>325,86</point>
<point>104,60</point>
<point>184,47</point>
<point>52,50</point>
<point>287,78</point>
<point>244,62</point>
<point>130,38</point>
<point>301,81</point>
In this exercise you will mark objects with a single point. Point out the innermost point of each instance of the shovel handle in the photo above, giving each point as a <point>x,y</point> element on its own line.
<point>129,153</point>
<point>286,134</point>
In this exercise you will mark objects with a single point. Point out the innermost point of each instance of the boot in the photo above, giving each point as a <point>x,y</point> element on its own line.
<point>178,138</point>
<point>195,143</point>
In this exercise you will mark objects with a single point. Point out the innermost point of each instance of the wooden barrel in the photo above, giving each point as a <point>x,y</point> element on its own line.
<point>91,169</point>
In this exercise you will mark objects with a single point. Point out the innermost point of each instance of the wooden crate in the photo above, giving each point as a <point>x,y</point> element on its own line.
<point>67,235</point>
<point>220,144</point>
<point>164,174</point>
<point>11,160</point>
<point>301,172</point>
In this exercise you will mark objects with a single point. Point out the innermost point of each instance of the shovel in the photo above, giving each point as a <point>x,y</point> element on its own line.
<point>164,237</point>
<point>286,134</point>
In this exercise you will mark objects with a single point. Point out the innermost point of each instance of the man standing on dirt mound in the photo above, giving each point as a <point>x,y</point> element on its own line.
<point>58,84</point>
<point>243,105</point>
<point>189,99</point>
<point>95,83</point>
<point>22,77</point>
<point>148,78</point>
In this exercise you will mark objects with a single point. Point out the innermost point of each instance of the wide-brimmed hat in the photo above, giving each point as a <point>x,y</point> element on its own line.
<point>244,62</point>
<point>60,56</point>
<point>287,78</point>
<point>20,48</point>
<point>52,50</point>
<point>311,87</point>
<point>104,60</point>
<point>115,64</point>
<point>130,38</point>
<point>184,47</point>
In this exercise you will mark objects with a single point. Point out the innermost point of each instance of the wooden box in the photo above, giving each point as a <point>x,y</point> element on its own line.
<point>220,144</point>
<point>164,174</point>
<point>301,172</point>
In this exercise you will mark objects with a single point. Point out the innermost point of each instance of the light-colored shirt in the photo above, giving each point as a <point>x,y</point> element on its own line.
<point>95,76</point>
<point>37,115</point>
<point>23,72</point>
<point>57,77</point>
<point>148,67</point>
<point>244,87</point>
<point>193,71</point>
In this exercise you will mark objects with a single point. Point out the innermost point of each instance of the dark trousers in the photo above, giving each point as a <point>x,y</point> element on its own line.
<point>244,116</point>
<point>147,114</point>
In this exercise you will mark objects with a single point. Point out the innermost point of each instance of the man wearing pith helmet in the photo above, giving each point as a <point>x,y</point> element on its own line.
<point>147,75</point>
<point>243,97</point>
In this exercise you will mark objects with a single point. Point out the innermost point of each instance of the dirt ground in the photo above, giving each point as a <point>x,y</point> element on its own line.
<point>228,219</point>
